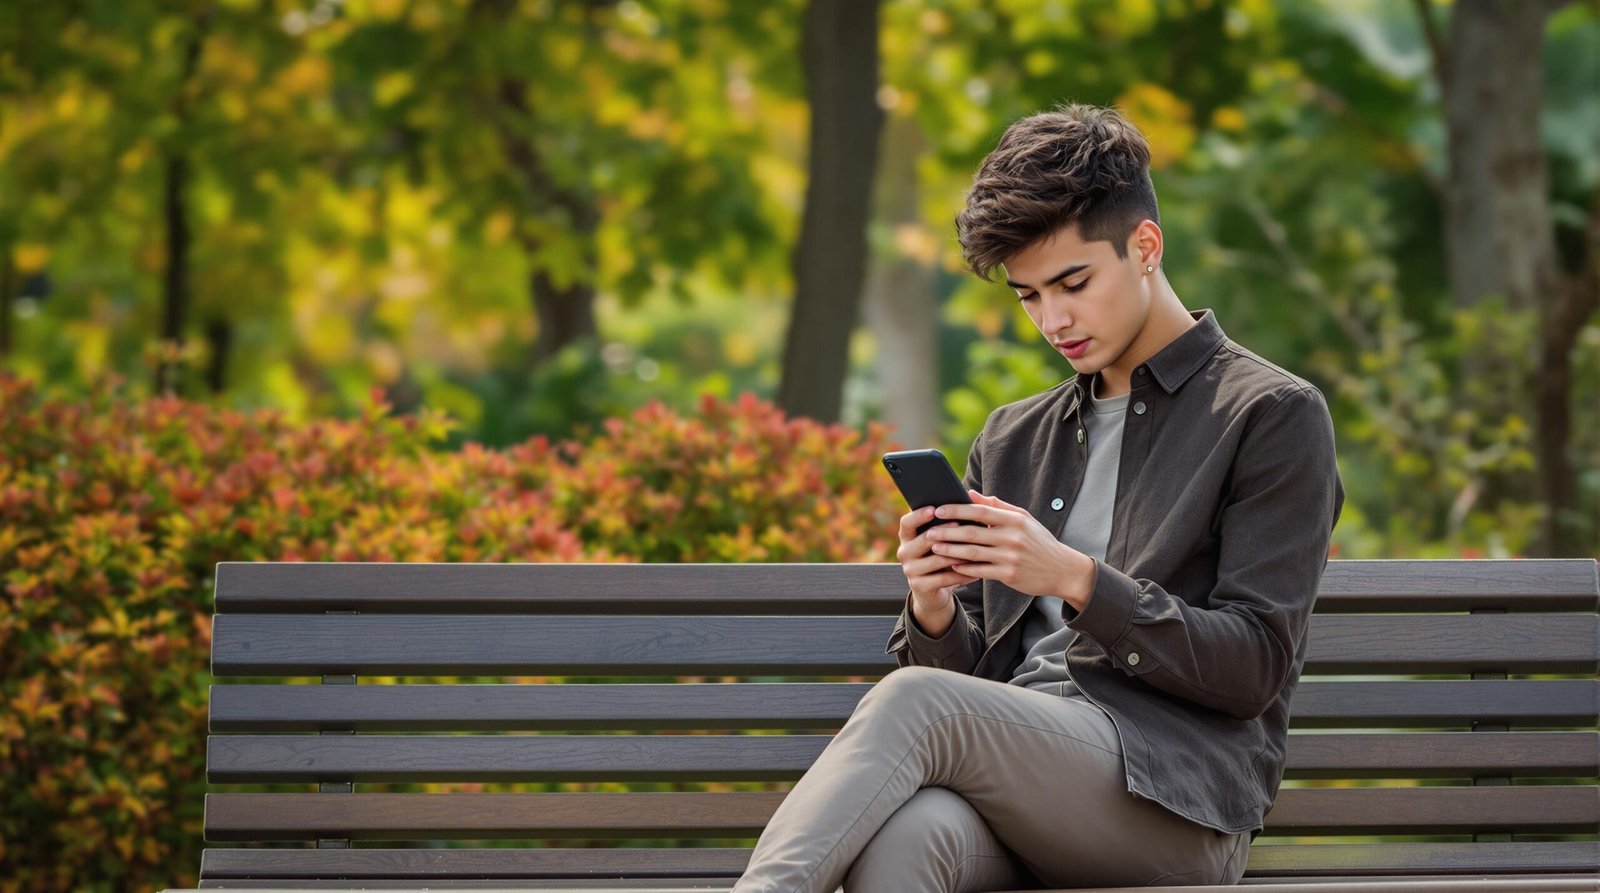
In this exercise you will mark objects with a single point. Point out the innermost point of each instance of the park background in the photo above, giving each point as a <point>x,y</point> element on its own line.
<point>562,280</point>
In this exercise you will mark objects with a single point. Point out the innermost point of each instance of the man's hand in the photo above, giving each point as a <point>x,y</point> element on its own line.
<point>1014,549</point>
<point>933,584</point>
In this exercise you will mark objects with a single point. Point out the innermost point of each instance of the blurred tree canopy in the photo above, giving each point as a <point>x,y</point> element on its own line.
<point>534,214</point>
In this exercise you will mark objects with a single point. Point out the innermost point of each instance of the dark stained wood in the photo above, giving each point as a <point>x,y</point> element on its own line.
<point>1429,584</point>
<point>825,705</point>
<point>243,759</point>
<point>1266,860</point>
<point>1435,810</point>
<point>1448,702</point>
<point>1324,860</point>
<point>268,645</point>
<point>507,707</point>
<point>466,816</point>
<point>1540,643</point>
<point>561,588</point>
<point>1373,618</point>
<point>1445,755</point>
<point>1411,884</point>
<point>400,885</point>
<point>1559,584</point>
<point>520,862</point>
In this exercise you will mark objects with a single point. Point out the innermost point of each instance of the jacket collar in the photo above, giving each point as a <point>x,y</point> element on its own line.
<point>1172,365</point>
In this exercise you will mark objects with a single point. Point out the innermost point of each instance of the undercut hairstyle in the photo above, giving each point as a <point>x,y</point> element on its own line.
<point>1078,164</point>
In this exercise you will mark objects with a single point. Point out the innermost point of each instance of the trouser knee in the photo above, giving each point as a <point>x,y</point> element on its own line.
<point>907,690</point>
<point>921,846</point>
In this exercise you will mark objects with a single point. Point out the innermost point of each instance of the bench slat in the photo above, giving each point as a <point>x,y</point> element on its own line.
<point>1266,860</point>
<point>1410,884</point>
<point>1544,584</point>
<point>791,705</point>
<point>252,816</point>
<point>271,644</point>
<point>280,759</point>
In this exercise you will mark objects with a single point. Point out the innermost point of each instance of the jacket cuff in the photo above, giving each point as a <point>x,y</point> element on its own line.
<point>1109,613</point>
<point>950,648</point>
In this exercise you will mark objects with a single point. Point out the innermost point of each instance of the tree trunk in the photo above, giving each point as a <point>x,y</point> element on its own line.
<point>564,313</point>
<point>1500,235</point>
<point>175,295</point>
<point>901,303</point>
<point>219,334</point>
<point>840,50</point>
<point>9,280</point>
<point>1573,304</point>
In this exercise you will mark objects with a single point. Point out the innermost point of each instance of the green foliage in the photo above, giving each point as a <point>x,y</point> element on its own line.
<point>998,372</point>
<point>114,511</point>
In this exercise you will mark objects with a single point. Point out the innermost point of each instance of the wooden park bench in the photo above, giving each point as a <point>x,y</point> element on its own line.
<point>1481,776</point>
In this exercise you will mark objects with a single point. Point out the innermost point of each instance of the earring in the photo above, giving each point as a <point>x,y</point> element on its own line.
<point>1149,269</point>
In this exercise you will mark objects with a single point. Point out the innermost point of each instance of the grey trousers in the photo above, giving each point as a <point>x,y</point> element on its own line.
<point>943,782</point>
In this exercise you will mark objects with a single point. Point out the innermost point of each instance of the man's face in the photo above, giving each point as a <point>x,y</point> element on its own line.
<point>1075,290</point>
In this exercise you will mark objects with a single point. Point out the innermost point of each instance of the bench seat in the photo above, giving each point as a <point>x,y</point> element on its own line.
<point>1445,735</point>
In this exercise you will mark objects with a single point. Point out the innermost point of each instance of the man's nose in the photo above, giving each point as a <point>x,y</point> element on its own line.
<point>1053,316</point>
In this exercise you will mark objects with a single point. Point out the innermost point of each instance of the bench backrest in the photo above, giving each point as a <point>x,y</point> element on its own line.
<point>1494,754</point>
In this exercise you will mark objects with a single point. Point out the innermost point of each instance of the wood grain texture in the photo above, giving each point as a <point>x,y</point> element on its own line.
<point>1543,584</point>
<point>287,645</point>
<point>1266,860</point>
<point>826,705</point>
<point>467,816</point>
<point>281,759</point>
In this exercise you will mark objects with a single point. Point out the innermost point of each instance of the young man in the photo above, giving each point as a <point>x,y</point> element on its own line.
<point>1093,688</point>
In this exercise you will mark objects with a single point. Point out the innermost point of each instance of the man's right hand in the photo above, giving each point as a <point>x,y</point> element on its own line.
<point>932,582</point>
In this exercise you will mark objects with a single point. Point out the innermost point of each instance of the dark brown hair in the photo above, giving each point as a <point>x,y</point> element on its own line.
<point>1078,164</point>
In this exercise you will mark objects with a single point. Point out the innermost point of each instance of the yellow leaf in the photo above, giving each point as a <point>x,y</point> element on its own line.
<point>392,87</point>
<point>30,257</point>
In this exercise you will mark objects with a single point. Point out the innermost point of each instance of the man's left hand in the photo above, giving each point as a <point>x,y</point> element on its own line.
<point>1014,549</point>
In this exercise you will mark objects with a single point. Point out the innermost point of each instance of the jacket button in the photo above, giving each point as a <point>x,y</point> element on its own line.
<point>1080,435</point>
<point>1057,503</point>
<point>1138,408</point>
<point>1133,658</point>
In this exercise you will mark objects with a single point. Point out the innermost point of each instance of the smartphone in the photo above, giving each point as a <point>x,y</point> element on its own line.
<point>925,478</point>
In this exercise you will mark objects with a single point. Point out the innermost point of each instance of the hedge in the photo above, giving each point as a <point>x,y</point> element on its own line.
<point>115,507</point>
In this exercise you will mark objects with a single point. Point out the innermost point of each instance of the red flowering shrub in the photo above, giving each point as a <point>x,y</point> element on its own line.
<point>114,510</point>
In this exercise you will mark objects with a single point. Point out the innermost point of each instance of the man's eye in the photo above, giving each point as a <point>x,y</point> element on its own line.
<point>1025,297</point>
<point>1079,287</point>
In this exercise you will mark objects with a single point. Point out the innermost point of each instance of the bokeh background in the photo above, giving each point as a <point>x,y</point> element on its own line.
<point>513,280</point>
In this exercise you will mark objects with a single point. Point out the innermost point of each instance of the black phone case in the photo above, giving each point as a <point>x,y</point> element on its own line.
<point>925,478</point>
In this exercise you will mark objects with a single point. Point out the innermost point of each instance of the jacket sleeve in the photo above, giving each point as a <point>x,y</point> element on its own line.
<point>1276,522</point>
<point>962,644</point>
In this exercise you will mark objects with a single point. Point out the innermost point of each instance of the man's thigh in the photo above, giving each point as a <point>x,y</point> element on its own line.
<point>1046,774</point>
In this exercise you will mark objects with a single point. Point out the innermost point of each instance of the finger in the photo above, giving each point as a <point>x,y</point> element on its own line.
<point>963,551</point>
<point>927,565</point>
<point>983,514</point>
<point>995,501</point>
<point>948,578</point>
<point>977,569</point>
<point>977,534</point>
<point>910,521</point>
